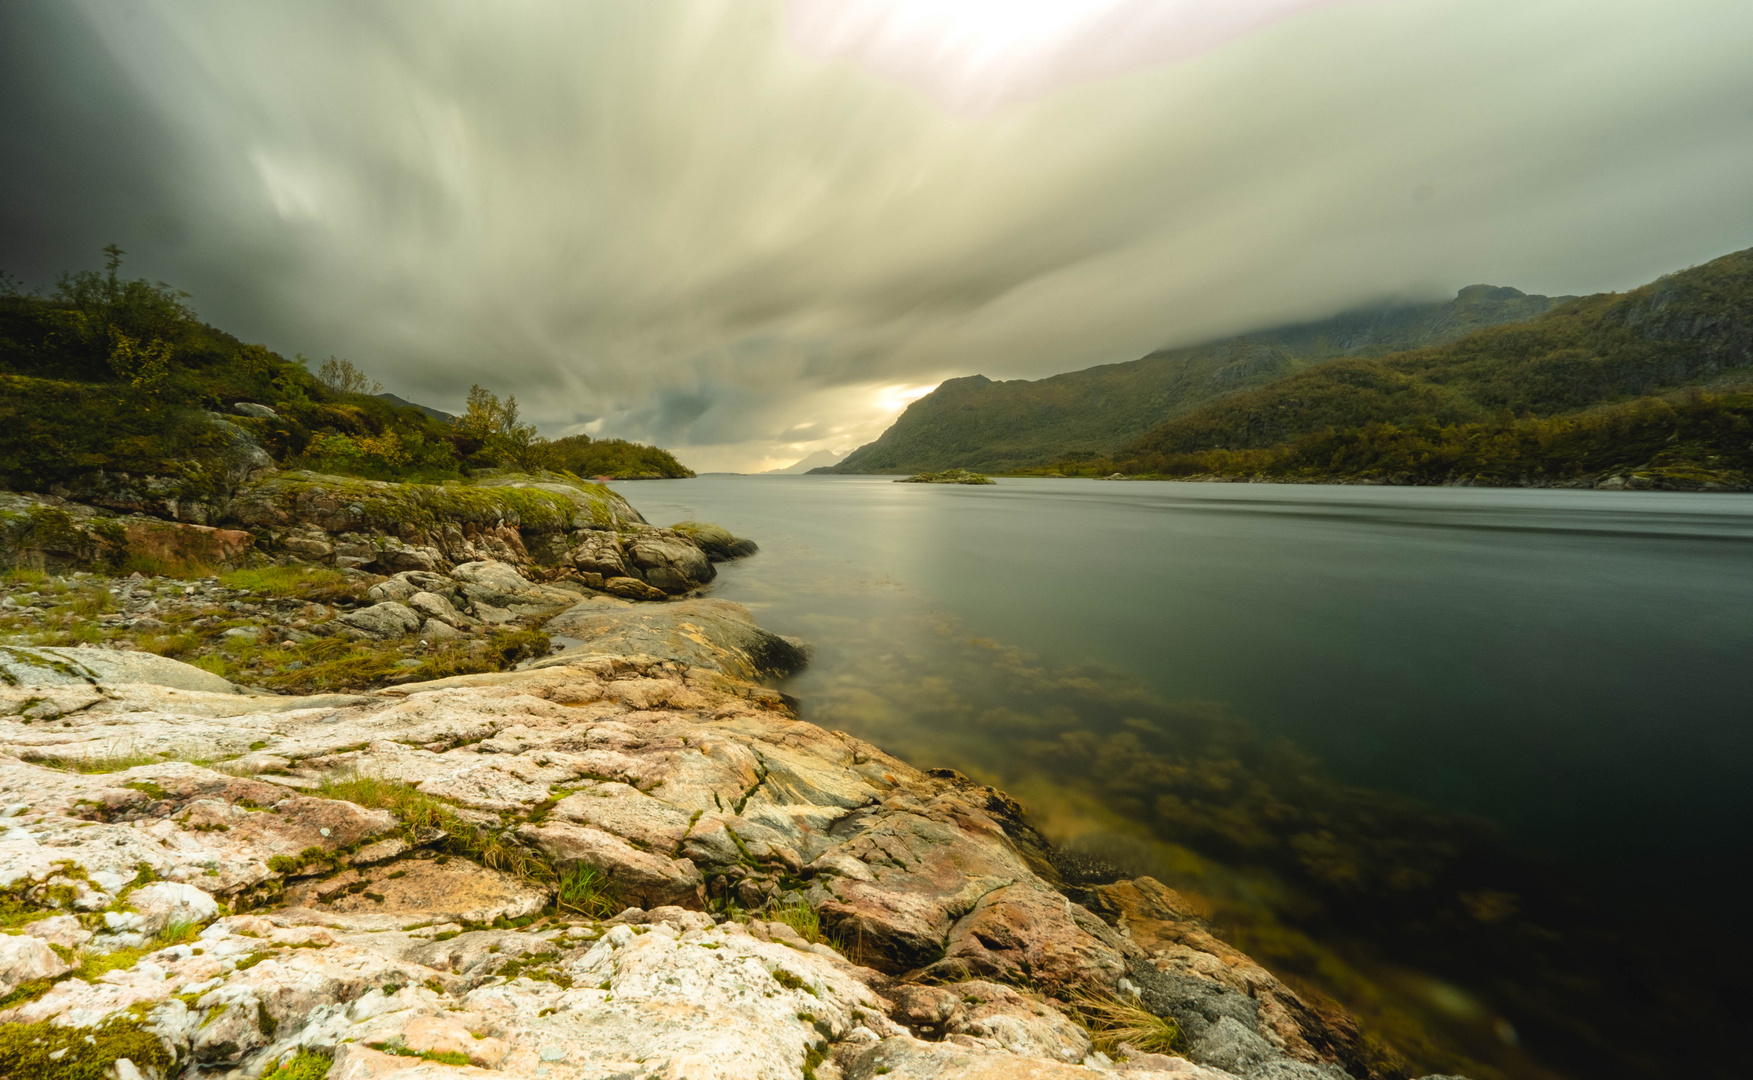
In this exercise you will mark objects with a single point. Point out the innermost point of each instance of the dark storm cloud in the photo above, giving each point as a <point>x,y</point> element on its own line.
<point>698,223</point>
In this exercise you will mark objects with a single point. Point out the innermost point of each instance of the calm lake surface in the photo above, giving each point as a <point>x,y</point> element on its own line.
<point>1576,666</point>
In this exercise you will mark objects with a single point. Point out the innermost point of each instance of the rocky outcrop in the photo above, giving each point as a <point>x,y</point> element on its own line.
<point>557,525</point>
<point>48,532</point>
<point>701,633</point>
<point>419,879</point>
<point>718,543</point>
<point>579,529</point>
<point>196,489</point>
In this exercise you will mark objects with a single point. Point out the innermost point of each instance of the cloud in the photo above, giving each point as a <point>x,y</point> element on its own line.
<point>712,223</point>
<point>973,55</point>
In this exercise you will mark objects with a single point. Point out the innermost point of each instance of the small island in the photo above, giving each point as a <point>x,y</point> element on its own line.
<point>948,476</point>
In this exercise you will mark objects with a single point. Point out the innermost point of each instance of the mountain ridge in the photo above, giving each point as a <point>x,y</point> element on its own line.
<point>1596,392</point>
<point>996,426</point>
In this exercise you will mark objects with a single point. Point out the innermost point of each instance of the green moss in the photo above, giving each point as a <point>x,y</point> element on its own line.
<point>265,1021</point>
<point>374,506</point>
<point>27,991</point>
<point>300,581</point>
<point>442,1057</point>
<point>305,1065</point>
<point>46,1051</point>
<point>292,864</point>
<point>792,982</point>
<point>538,968</point>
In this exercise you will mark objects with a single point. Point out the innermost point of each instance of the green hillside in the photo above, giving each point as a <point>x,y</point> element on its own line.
<point>1576,393</point>
<point>979,424</point>
<point>586,457</point>
<point>115,391</point>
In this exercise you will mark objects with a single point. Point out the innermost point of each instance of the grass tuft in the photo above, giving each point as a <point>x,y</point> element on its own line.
<point>1112,1021</point>
<point>584,889</point>
<point>800,916</point>
<point>416,810</point>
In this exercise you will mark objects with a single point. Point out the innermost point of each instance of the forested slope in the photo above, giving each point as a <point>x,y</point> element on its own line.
<point>1576,392</point>
<point>980,424</point>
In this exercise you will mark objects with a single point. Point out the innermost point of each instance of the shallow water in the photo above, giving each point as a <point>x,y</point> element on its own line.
<point>1577,666</point>
<point>1234,688</point>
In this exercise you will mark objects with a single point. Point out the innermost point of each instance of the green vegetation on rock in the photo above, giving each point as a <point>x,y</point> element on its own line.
<point>948,476</point>
<point>304,1065</point>
<point>106,378</point>
<point>617,458</point>
<point>48,1051</point>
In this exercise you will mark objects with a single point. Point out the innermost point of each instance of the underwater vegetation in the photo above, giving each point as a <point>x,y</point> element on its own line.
<point>1452,946</point>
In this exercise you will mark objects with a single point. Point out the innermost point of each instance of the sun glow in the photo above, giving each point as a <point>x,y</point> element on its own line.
<point>974,54</point>
<point>890,400</point>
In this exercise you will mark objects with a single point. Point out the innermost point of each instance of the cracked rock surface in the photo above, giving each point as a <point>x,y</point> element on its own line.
<point>611,865</point>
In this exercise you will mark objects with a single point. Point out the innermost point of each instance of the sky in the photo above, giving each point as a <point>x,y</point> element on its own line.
<point>749,230</point>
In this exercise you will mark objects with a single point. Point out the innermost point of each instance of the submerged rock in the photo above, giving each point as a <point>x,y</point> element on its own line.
<point>719,544</point>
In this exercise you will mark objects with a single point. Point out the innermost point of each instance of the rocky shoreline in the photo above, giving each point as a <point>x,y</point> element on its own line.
<point>702,817</point>
<point>628,859</point>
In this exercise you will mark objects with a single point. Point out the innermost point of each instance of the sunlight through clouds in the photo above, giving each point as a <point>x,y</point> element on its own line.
<point>973,55</point>
<point>752,230</point>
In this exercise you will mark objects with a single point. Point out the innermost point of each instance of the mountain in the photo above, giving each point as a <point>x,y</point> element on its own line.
<point>404,403</point>
<point>1616,384</point>
<point>821,459</point>
<point>975,423</point>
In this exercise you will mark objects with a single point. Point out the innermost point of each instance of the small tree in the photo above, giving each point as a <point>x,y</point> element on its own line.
<point>345,377</point>
<point>135,325</point>
<point>495,423</point>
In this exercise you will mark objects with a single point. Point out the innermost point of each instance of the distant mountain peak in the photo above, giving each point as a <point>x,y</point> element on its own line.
<point>821,459</point>
<point>404,403</point>
<point>1474,294</point>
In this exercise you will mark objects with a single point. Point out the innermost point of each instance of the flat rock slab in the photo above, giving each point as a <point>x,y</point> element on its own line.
<point>50,667</point>
<point>963,1058</point>
<point>420,890</point>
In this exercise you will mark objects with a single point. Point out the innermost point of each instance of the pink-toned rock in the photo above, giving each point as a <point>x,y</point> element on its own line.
<point>24,958</point>
<point>636,877</point>
<point>627,812</point>
<point>180,544</point>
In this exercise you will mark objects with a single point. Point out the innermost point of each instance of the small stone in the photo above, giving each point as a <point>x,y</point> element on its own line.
<point>433,630</point>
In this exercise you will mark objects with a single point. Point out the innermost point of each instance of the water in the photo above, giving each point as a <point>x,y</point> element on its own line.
<point>1235,688</point>
<point>1577,666</point>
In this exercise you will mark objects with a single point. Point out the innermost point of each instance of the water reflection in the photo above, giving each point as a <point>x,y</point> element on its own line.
<point>1155,669</point>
